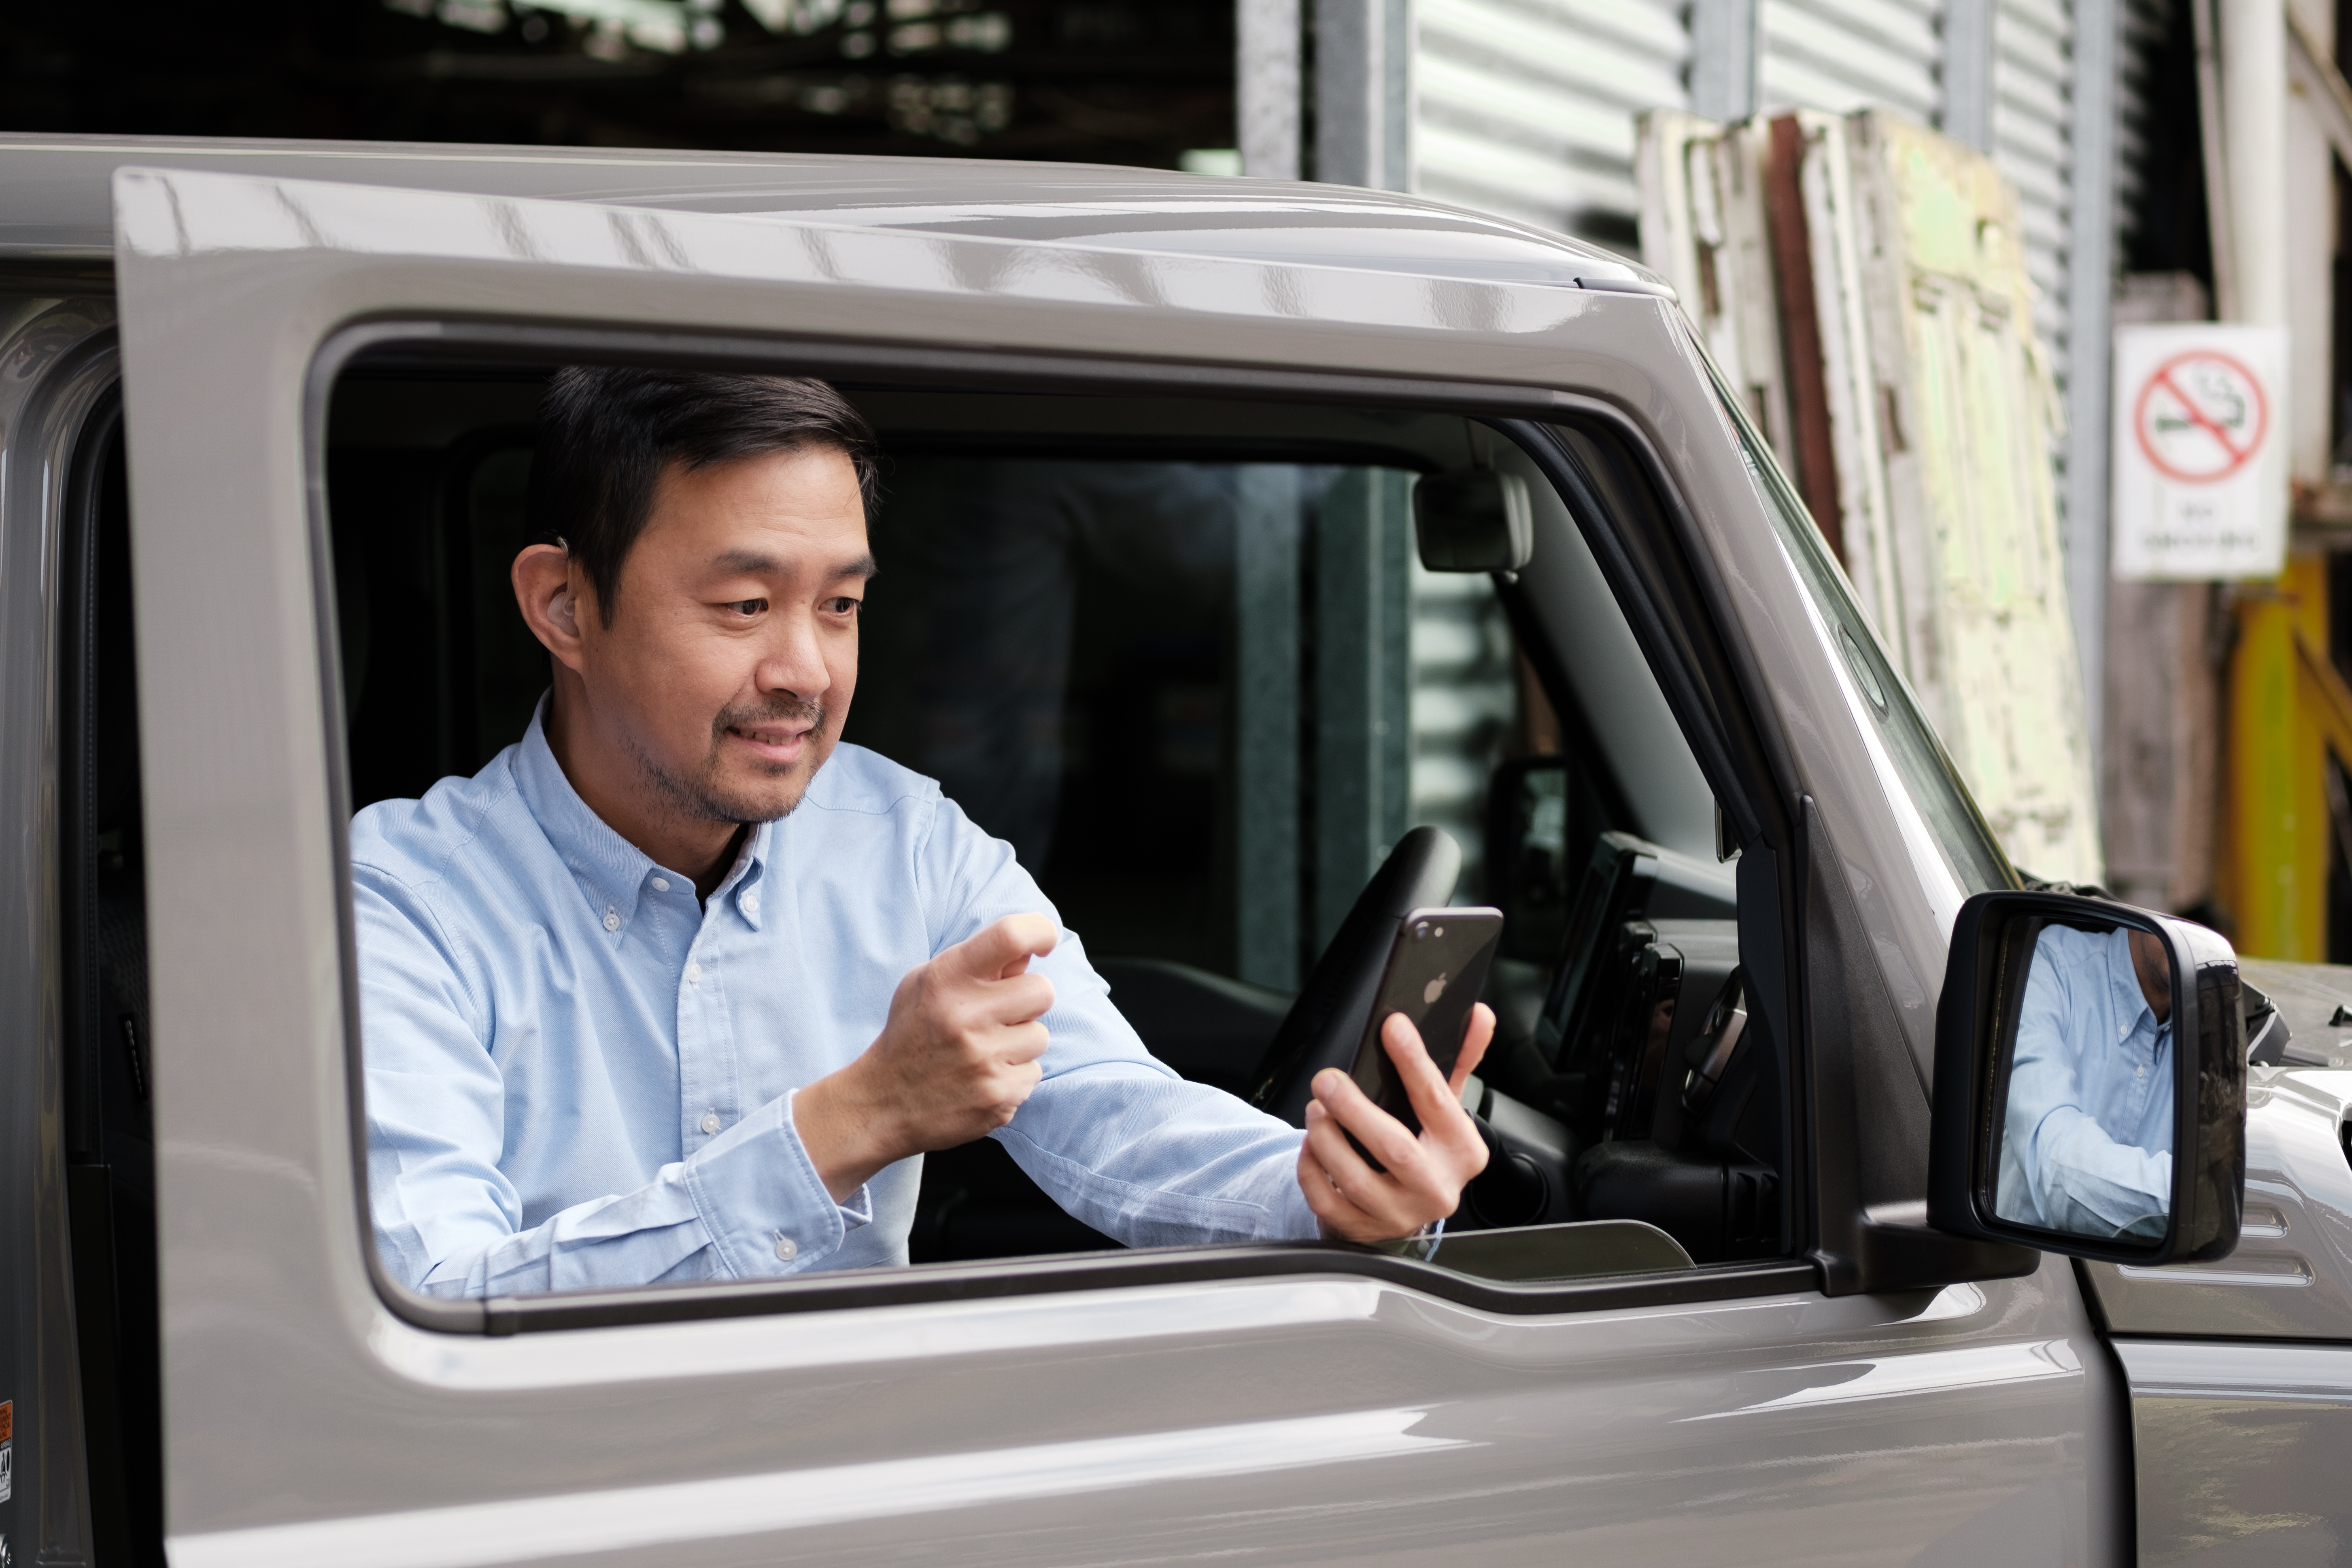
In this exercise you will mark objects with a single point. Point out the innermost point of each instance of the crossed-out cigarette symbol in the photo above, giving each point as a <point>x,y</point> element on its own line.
<point>2200,417</point>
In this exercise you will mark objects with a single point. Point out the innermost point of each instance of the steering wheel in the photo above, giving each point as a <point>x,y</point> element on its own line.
<point>1327,1022</point>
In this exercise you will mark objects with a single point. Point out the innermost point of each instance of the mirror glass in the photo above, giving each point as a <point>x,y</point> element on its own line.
<point>2086,1128</point>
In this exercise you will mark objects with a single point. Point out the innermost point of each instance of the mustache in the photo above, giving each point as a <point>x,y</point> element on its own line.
<point>782,707</point>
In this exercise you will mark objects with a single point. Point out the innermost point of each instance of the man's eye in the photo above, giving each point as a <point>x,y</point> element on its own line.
<point>749,606</point>
<point>844,605</point>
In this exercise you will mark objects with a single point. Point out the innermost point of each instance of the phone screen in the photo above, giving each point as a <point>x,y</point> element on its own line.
<point>1435,974</point>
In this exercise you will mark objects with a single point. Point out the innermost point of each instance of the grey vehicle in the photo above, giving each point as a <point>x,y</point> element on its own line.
<point>1234,532</point>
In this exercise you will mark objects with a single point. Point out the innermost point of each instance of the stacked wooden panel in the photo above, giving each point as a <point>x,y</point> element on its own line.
<point>1921,417</point>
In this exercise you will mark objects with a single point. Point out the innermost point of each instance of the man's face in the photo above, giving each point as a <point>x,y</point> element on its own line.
<point>732,653</point>
<point>2154,971</point>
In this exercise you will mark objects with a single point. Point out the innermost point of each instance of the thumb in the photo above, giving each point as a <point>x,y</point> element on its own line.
<point>1003,950</point>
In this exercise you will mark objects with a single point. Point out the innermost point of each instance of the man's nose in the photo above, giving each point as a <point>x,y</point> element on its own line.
<point>794,660</point>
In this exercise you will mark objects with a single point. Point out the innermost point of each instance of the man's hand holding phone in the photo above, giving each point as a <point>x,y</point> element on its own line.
<point>955,1059</point>
<point>1425,1174</point>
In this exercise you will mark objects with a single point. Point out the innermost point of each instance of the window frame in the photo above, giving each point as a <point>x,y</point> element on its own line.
<point>1665,597</point>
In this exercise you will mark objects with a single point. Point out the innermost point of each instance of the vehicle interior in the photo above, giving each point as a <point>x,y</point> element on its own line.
<point>1186,654</point>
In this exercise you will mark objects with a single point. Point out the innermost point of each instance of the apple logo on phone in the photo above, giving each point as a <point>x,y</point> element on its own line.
<point>1433,990</point>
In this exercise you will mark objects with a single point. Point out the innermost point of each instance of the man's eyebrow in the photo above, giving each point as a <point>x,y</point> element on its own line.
<point>752,563</point>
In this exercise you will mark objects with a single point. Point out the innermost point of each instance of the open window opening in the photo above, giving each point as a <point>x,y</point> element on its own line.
<point>1182,654</point>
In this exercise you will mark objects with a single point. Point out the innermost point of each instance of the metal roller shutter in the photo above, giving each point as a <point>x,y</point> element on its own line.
<point>2146,24</point>
<point>1463,708</point>
<point>1525,108</point>
<point>1842,55</point>
<point>2032,87</point>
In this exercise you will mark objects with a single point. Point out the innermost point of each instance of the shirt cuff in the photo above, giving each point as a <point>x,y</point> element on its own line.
<point>761,1199</point>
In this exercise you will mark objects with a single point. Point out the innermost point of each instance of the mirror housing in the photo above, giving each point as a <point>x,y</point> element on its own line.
<point>1473,520</point>
<point>1976,1025</point>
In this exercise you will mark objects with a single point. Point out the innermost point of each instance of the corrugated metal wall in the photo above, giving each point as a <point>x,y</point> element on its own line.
<point>1838,54</point>
<point>1523,108</point>
<point>1462,706</point>
<point>2146,24</point>
<point>1526,107</point>
<point>2033,44</point>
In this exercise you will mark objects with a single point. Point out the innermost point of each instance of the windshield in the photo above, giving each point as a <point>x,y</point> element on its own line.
<point>1907,748</point>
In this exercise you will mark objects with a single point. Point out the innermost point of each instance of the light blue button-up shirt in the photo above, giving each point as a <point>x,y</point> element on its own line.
<point>578,1077</point>
<point>2086,1146</point>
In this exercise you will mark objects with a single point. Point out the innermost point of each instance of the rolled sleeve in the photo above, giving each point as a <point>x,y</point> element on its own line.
<point>759,1196</point>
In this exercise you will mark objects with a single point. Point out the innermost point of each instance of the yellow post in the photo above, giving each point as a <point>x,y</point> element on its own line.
<point>2275,880</point>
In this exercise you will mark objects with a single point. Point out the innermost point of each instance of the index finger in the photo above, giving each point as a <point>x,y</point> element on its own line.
<point>1475,1041</point>
<point>1423,1084</point>
<point>1003,950</point>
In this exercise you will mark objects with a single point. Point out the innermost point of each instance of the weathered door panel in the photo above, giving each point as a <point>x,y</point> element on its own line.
<point>1937,481</point>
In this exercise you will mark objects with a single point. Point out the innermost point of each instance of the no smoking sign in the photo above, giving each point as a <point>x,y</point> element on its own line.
<point>2201,474</point>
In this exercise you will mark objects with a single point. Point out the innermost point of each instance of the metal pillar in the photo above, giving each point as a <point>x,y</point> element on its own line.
<point>2275,878</point>
<point>1266,63</point>
<point>2089,293</point>
<point>1266,725</point>
<point>1363,675</point>
<point>2253,140</point>
<point>1363,93</point>
<point>1968,70</point>
<point>1723,58</point>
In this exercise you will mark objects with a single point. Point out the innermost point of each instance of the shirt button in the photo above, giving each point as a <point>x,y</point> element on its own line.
<point>661,884</point>
<point>786,1249</point>
<point>751,903</point>
<point>694,974</point>
<point>612,920</point>
<point>710,1123</point>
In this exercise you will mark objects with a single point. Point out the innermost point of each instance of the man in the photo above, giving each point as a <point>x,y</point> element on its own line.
<point>2087,1145</point>
<point>678,987</point>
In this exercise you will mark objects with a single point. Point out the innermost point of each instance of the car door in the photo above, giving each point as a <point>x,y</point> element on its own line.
<point>1286,1403</point>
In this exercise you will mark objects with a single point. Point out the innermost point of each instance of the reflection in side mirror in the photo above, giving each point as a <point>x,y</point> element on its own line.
<point>2087,1115</point>
<point>2090,1082</point>
<point>1473,520</point>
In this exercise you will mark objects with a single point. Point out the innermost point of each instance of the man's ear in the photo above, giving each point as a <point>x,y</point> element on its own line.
<point>553,599</point>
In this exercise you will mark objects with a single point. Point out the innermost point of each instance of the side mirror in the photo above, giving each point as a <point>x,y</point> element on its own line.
<point>2090,1082</point>
<point>1473,520</point>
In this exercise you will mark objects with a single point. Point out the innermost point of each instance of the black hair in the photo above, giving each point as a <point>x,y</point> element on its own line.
<point>608,433</point>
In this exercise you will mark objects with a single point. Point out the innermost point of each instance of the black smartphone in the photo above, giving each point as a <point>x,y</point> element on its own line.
<point>1435,970</point>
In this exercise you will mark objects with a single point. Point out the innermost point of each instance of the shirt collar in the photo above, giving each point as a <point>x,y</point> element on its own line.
<point>613,874</point>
